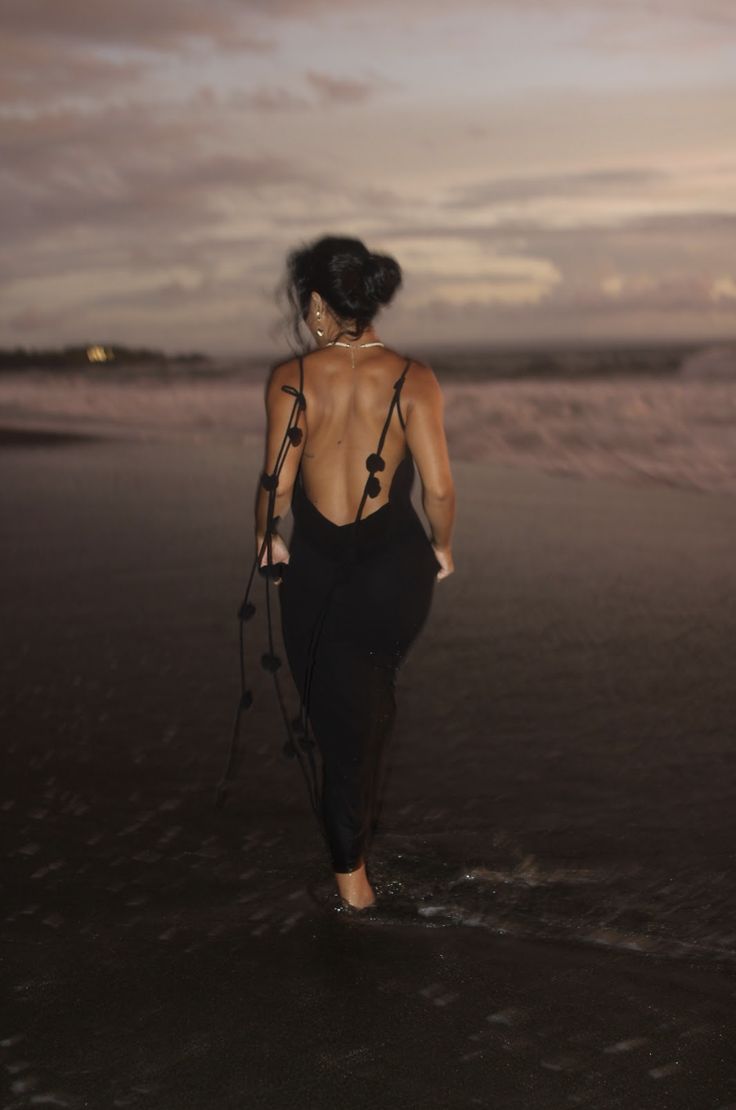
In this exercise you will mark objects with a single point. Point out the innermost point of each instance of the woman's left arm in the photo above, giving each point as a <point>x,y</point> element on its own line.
<point>279,407</point>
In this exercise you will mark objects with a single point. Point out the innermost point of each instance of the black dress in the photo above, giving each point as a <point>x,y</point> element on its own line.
<point>353,598</point>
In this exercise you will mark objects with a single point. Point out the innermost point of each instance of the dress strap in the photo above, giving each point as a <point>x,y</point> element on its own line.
<point>375,462</point>
<point>299,743</point>
<point>398,398</point>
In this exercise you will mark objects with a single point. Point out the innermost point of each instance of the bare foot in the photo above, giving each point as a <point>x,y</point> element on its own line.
<point>354,887</point>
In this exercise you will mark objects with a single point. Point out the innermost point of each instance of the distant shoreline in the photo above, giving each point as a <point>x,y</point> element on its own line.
<point>568,362</point>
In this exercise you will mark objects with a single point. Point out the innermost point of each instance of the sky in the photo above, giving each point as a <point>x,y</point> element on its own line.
<point>543,170</point>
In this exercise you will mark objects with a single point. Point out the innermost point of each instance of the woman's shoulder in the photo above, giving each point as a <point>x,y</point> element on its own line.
<point>421,381</point>
<point>418,369</point>
<point>292,370</point>
<point>288,372</point>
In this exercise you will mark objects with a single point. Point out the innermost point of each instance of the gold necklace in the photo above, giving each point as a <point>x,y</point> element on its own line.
<point>351,347</point>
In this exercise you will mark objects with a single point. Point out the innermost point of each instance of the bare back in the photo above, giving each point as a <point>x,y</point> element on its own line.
<point>345,414</point>
<point>346,408</point>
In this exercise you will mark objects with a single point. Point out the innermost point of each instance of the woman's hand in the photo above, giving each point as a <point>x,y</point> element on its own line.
<point>443,555</point>
<point>279,551</point>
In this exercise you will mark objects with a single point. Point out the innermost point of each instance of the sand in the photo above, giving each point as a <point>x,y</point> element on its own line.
<point>556,839</point>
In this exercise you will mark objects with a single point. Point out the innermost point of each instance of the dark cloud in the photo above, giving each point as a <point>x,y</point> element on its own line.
<point>134,23</point>
<point>270,99</point>
<point>124,173</point>
<point>517,230</point>
<point>32,319</point>
<point>244,24</point>
<point>716,223</point>
<point>507,190</point>
<point>717,13</point>
<point>341,90</point>
<point>321,89</point>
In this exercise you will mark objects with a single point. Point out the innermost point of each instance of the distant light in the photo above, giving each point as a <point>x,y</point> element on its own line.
<point>723,288</point>
<point>613,286</point>
<point>100,354</point>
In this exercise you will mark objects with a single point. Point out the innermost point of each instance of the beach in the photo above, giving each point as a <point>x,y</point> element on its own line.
<point>555,844</point>
<point>639,428</point>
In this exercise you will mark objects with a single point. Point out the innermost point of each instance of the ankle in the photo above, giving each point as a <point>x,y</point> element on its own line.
<point>354,887</point>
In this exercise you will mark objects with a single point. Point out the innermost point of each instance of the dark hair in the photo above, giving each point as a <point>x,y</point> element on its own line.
<point>353,282</point>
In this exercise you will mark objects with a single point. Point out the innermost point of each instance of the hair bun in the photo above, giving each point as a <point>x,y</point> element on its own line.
<point>353,282</point>
<point>383,277</point>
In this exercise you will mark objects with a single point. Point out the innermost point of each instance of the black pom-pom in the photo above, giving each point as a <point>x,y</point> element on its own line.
<point>375,463</point>
<point>272,570</point>
<point>246,699</point>
<point>295,436</point>
<point>270,662</point>
<point>269,481</point>
<point>246,611</point>
<point>373,486</point>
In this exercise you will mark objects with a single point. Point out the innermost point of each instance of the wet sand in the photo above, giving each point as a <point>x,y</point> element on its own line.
<point>556,840</point>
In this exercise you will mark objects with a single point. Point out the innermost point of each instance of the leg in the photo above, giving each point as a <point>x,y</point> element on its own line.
<point>351,710</point>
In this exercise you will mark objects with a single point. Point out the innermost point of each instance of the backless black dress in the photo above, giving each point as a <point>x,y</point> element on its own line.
<point>353,598</point>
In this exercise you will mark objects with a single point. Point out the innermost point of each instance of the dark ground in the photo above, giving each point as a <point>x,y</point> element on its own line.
<point>560,799</point>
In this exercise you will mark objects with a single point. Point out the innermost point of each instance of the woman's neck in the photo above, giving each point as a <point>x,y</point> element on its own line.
<point>368,335</point>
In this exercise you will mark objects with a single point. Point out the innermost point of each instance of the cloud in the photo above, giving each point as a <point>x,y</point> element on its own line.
<point>150,172</point>
<point>125,175</point>
<point>139,23</point>
<point>270,99</point>
<point>667,276</point>
<point>33,319</point>
<point>321,89</point>
<point>341,90</point>
<point>715,11</point>
<point>250,25</point>
<point>34,71</point>
<point>535,187</point>
<point>667,307</point>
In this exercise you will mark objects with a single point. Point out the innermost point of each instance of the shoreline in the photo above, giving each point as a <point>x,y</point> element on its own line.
<point>677,433</point>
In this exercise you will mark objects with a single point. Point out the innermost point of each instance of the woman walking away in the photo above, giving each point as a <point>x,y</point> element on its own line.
<point>358,575</point>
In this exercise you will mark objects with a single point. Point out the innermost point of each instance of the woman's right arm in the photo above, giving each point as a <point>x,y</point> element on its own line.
<point>425,435</point>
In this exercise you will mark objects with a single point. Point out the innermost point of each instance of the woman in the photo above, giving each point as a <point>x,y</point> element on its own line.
<point>356,582</point>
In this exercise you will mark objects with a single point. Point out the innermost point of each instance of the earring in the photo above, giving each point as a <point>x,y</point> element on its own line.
<point>319,332</point>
